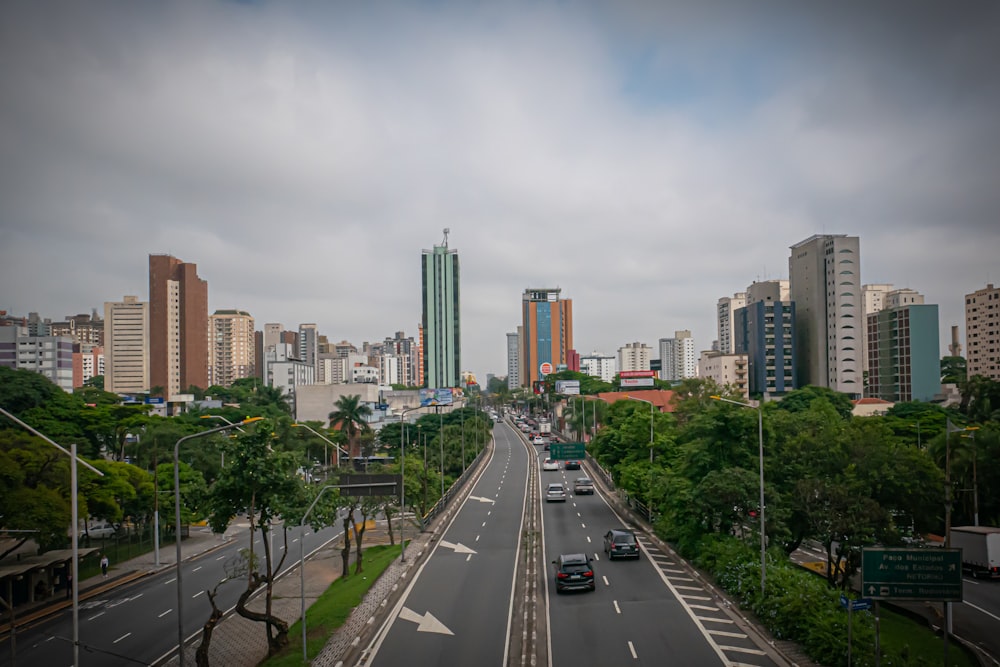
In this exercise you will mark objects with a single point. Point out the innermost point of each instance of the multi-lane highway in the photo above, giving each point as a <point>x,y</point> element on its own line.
<point>137,623</point>
<point>460,606</point>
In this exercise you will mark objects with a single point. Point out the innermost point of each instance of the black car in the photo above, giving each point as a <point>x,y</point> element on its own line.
<point>572,465</point>
<point>620,543</point>
<point>574,573</point>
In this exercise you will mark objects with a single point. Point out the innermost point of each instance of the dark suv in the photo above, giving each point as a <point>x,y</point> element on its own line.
<point>620,543</point>
<point>573,573</point>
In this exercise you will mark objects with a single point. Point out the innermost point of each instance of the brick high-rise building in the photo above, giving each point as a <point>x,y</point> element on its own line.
<point>178,326</point>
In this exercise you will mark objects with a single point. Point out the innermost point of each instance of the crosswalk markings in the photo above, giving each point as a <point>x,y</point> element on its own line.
<point>722,633</point>
<point>703,598</point>
<point>715,620</point>
<point>703,607</point>
<point>740,649</point>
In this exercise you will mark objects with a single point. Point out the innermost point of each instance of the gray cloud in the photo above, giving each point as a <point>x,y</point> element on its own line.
<point>648,161</point>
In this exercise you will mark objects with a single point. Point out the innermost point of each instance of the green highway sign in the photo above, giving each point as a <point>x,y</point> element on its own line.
<point>912,574</point>
<point>567,451</point>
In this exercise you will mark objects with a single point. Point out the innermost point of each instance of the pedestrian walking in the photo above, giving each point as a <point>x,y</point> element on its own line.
<point>104,566</point>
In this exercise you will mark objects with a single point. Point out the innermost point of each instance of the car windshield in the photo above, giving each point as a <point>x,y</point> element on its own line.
<point>575,567</point>
<point>556,487</point>
<point>625,539</point>
<point>583,480</point>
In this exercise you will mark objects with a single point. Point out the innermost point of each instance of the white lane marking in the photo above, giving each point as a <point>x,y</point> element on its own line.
<point>221,557</point>
<point>197,594</point>
<point>617,608</point>
<point>170,581</point>
<point>632,649</point>
<point>468,558</point>
<point>969,604</point>
<point>588,538</point>
<point>484,524</point>
<point>703,607</point>
<point>751,651</point>
<point>688,588</point>
<point>584,525</point>
<point>597,556</point>
<point>95,616</point>
<point>197,568</point>
<point>703,598</point>
<point>489,513</point>
<point>605,578</point>
<point>127,634</point>
<point>675,571</point>
<point>723,633</point>
<point>165,613</point>
<point>717,620</point>
<point>477,539</point>
<point>970,581</point>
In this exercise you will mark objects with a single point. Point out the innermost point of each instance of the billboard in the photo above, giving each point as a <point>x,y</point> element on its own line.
<point>440,396</point>
<point>637,382</point>
<point>637,374</point>
<point>568,387</point>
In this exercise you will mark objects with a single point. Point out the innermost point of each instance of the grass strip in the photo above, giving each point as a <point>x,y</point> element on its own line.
<point>333,607</point>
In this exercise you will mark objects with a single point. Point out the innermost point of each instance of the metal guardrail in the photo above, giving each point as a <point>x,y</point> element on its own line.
<point>450,493</point>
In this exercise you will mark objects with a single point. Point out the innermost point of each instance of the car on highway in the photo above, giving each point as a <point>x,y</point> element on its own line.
<point>583,486</point>
<point>549,464</point>
<point>539,440</point>
<point>620,543</point>
<point>555,493</point>
<point>573,573</point>
<point>572,465</point>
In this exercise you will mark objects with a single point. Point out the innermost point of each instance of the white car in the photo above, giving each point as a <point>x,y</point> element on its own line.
<point>549,464</point>
<point>539,440</point>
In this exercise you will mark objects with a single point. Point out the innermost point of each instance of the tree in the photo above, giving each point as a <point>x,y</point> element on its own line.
<point>350,416</point>
<point>800,399</point>
<point>261,482</point>
<point>953,370</point>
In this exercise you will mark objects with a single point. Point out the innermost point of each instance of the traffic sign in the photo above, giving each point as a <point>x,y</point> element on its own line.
<point>912,574</point>
<point>567,451</point>
<point>861,604</point>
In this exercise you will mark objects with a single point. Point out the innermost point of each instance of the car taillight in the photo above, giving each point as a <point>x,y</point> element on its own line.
<point>588,573</point>
<point>561,575</point>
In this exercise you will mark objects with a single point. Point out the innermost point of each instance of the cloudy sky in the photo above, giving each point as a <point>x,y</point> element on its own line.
<point>647,158</point>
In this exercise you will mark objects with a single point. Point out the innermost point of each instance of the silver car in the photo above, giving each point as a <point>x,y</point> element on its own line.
<point>555,493</point>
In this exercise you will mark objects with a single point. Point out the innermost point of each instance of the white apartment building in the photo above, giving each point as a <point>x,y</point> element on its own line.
<point>599,366</point>
<point>825,276</point>
<point>634,357</point>
<point>677,360</point>
<point>982,332</point>
<point>514,359</point>
<point>308,340</point>
<point>230,347</point>
<point>126,346</point>
<point>728,370</point>
<point>725,309</point>
<point>903,297</point>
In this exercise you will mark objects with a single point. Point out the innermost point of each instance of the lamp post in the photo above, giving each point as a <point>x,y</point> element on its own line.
<point>975,486</point>
<point>302,566</point>
<point>337,448</point>
<point>760,454</point>
<point>177,523</point>
<point>402,475</point>
<point>74,511</point>
<point>222,461</point>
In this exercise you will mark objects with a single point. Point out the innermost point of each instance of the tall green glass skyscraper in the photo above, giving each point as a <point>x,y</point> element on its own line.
<point>441,331</point>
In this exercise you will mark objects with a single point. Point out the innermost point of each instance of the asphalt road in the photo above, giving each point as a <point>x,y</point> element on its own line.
<point>646,612</point>
<point>137,623</point>
<point>457,609</point>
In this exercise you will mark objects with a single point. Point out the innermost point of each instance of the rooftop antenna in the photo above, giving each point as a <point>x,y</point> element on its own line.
<point>446,232</point>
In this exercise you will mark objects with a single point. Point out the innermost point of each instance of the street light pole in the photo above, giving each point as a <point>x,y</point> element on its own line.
<point>760,454</point>
<point>177,523</point>
<point>302,566</point>
<point>402,475</point>
<point>975,484</point>
<point>337,448</point>
<point>74,513</point>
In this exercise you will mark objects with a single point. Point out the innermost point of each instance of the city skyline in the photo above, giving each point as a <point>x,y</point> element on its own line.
<point>648,162</point>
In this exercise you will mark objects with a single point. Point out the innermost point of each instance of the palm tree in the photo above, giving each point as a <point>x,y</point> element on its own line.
<point>350,415</point>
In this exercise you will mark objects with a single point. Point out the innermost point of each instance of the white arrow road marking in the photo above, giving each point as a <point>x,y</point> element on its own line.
<point>425,623</point>
<point>482,500</point>
<point>459,548</point>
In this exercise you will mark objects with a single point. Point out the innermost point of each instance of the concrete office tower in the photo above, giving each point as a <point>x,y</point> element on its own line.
<point>83,329</point>
<point>599,366</point>
<point>547,331</point>
<point>724,312</point>
<point>231,353</point>
<point>825,279</point>
<point>904,352</point>
<point>677,359</point>
<point>634,357</point>
<point>873,299</point>
<point>982,333</point>
<point>768,290</point>
<point>178,326</point>
<point>514,359</point>
<point>441,321</point>
<point>308,340</point>
<point>126,348</point>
